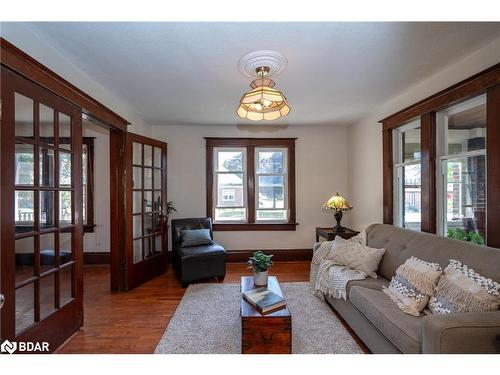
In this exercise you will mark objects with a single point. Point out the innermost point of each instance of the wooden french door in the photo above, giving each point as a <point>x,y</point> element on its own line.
<point>41,214</point>
<point>146,197</point>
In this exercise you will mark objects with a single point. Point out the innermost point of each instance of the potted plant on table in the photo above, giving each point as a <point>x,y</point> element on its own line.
<point>260,263</point>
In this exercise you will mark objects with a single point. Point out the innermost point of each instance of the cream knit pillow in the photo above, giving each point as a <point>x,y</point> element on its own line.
<point>356,256</point>
<point>413,285</point>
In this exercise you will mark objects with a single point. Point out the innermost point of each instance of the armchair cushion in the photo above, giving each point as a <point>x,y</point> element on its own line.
<point>201,251</point>
<point>195,237</point>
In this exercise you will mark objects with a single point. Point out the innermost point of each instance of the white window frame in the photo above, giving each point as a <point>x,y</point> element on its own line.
<point>443,157</point>
<point>216,173</point>
<point>284,151</point>
<point>229,195</point>
<point>398,166</point>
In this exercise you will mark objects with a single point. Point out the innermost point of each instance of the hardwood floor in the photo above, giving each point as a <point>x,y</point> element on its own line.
<point>134,322</point>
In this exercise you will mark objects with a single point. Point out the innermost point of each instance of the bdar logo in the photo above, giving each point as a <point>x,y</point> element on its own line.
<point>8,347</point>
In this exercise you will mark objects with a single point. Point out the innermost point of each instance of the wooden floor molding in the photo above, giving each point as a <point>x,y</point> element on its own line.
<point>279,255</point>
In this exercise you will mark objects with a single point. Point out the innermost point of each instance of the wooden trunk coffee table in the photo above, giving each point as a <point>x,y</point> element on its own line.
<point>264,334</point>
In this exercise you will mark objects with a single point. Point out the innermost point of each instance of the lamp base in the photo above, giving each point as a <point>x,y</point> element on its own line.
<point>338,218</point>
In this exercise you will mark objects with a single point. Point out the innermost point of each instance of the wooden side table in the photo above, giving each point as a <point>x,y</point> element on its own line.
<point>330,233</point>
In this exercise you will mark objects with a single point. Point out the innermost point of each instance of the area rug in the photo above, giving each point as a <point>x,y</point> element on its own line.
<point>207,321</point>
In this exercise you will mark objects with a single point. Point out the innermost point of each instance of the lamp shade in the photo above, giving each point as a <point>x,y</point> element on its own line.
<point>263,102</point>
<point>338,203</point>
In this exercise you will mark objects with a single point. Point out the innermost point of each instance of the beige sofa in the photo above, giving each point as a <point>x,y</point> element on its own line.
<point>386,329</point>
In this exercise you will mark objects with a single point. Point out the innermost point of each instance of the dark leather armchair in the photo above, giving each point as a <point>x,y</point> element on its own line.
<point>196,262</point>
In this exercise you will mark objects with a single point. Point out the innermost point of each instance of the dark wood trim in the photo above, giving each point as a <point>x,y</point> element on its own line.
<point>279,255</point>
<point>89,226</point>
<point>254,227</point>
<point>493,169</point>
<point>96,257</point>
<point>250,144</point>
<point>19,61</point>
<point>388,171</point>
<point>428,171</point>
<point>462,90</point>
<point>118,211</point>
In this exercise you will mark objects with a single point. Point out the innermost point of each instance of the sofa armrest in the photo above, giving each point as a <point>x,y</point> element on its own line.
<point>316,246</point>
<point>461,333</point>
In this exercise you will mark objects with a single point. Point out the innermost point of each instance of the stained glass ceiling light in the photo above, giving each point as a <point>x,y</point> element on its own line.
<point>263,102</point>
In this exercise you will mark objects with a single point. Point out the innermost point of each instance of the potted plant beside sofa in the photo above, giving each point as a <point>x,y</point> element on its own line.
<point>260,263</point>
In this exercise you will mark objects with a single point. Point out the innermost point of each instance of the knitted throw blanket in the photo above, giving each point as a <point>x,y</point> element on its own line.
<point>329,278</point>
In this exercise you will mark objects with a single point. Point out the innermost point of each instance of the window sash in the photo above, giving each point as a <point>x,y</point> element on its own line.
<point>217,173</point>
<point>284,175</point>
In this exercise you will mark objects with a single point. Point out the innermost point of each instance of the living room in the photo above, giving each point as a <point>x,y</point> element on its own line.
<point>214,184</point>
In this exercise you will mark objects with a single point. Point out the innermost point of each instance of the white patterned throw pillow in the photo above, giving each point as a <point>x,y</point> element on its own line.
<point>413,285</point>
<point>356,255</point>
<point>461,289</point>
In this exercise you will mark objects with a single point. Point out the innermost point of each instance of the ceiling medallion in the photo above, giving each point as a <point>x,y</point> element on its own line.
<point>263,102</point>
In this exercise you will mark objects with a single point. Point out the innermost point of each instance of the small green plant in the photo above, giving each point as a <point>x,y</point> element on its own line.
<point>463,235</point>
<point>170,208</point>
<point>260,262</point>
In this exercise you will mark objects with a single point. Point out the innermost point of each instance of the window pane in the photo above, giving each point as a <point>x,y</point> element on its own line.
<point>23,116</point>
<point>465,202</point>
<point>24,164</point>
<point>64,131</point>
<point>66,282</point>
<point>137,250</point>
<point>148,224</point>
<point>148,201</point>
<point>230,192</point>
<point>271,192</point>
<point>25,252</point>
<point>65,215</point>
<point>136,153</point>
<point>230,214</point>
<point>148,178</point>
<point>157,173</point>
<point>148,246</point>
<point>270,162</point>
<point>229,161</point>
<point>158,246</point>
<point>412,188</point>
<point>65,246</point>
<point>64,169</point>
<point>411,144</point>
<point>157,157</point>
<point>47,218</point>
<point>46,125</point>
<point>47,295</point>
<point>157,201</point>
<point>24,210</point>
<point>25,307</point>
<point>137,176</point>
<point>148,155</point>
<point>46,167</point>
<point>137,202</point>
<point>464,125</point>
<point>276,215</point>
<point>47,252</point>
<point>137,226</point>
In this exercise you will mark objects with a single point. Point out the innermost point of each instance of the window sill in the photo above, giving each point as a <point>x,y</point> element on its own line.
<point>236,227</point>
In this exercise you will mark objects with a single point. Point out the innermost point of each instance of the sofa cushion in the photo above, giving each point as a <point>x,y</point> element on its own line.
<point>403,330</point>
<point>369,282</point>
<point>196,237</point>
<point>213,249</point>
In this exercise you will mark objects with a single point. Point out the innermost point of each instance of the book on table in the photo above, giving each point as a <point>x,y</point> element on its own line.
<point>264,300</point>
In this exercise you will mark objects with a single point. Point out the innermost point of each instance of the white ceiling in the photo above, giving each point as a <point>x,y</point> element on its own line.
<point>186,73</point>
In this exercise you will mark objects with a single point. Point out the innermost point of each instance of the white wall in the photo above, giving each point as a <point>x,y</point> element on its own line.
<point>99,240</point>
<point>321,170</point>
<point>365,137</point>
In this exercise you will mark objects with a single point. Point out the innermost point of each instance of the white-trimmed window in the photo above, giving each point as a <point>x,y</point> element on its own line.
<point>461,169</point>
<point>271,192</point>
<point>407,176</point>
<point>230,178</point>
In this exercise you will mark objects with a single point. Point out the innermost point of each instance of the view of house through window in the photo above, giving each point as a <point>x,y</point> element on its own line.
<point>461,149</point>
<point>407,176</point>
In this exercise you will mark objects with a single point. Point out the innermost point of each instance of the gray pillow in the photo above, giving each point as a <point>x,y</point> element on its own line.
<point>195,237</point>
